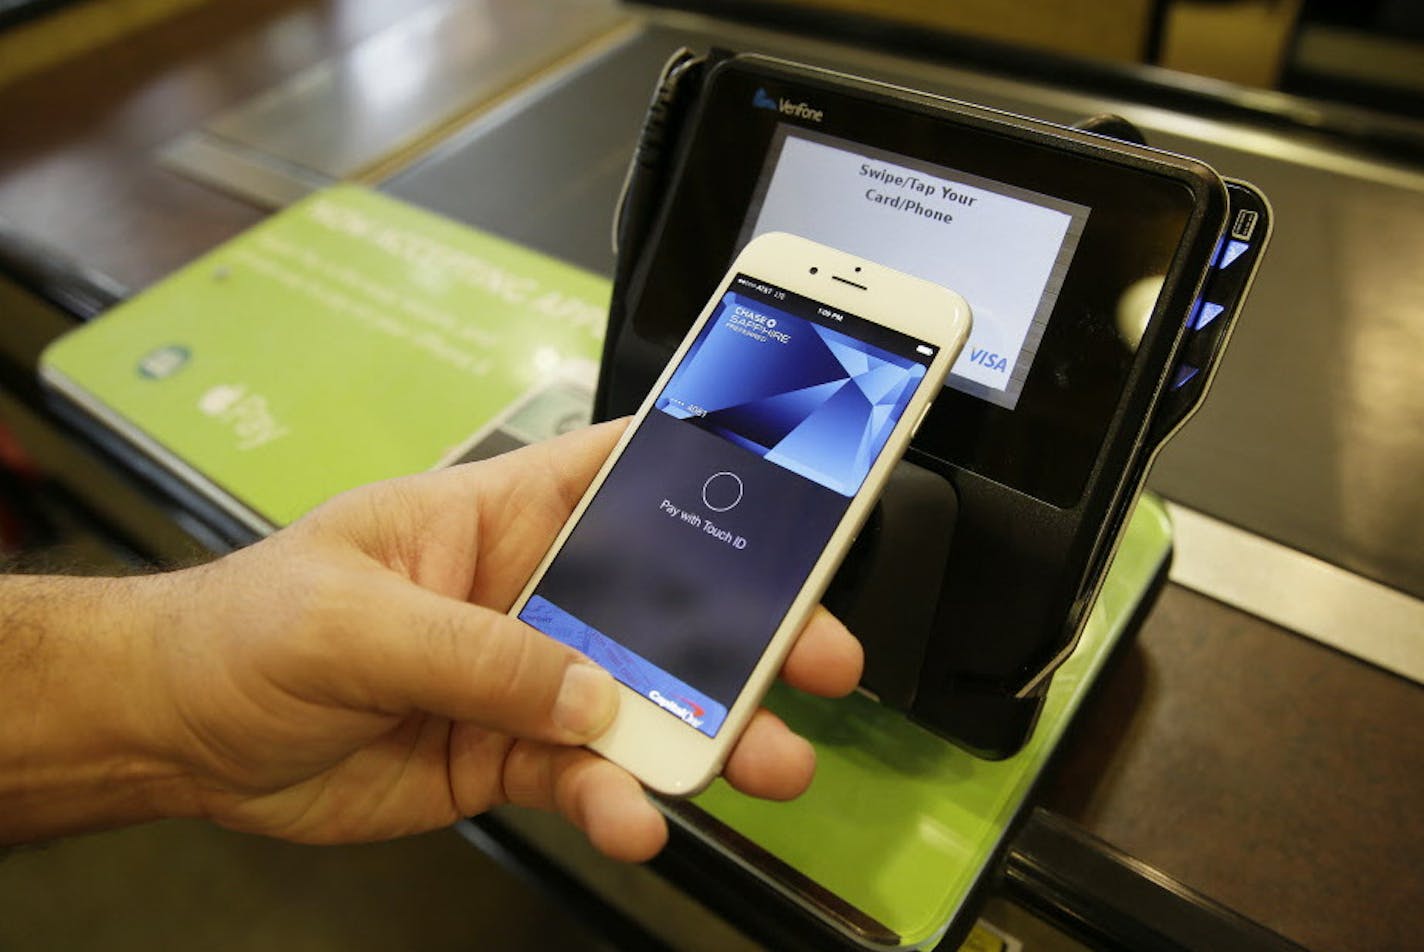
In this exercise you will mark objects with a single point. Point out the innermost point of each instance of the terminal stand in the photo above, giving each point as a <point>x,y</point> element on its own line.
<point>888,587</point>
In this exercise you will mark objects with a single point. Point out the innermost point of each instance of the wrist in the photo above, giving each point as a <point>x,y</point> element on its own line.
<point>81,701</point>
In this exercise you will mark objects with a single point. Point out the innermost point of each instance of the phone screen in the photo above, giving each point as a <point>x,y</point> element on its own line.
<point>684,564</point>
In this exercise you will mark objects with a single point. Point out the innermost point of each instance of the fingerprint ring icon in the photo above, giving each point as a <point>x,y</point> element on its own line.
<point>722,491</point>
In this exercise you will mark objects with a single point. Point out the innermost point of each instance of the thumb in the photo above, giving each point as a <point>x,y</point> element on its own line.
<point>408,649</point>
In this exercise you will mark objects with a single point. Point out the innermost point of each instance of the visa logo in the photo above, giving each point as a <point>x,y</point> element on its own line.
<point>992,361</point>
<point>763,100</point>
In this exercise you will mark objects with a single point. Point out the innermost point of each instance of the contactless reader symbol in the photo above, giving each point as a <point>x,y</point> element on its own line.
<point>722,491</point>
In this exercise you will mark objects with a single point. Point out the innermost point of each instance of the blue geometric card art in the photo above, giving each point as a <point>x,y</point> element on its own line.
<point>799,394</point>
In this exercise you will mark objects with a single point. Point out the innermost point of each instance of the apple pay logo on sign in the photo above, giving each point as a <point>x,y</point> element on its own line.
<point>248,414</point>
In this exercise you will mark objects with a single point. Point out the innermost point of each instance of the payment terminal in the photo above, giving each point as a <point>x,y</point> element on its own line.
<point>1104,279</point>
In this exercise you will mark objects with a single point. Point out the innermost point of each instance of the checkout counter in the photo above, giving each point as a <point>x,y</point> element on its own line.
<point>1225,783</point>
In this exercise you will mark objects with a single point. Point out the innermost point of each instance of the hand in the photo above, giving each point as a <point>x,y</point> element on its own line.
<point>356,676</point>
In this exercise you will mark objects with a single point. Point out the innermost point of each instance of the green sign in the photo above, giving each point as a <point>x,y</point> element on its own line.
<point>347,339</point>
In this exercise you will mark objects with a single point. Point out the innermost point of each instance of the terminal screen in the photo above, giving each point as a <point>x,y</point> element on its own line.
<point>1005,249</point>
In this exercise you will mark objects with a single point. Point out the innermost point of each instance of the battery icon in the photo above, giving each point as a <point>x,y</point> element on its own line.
<point>925,349</point>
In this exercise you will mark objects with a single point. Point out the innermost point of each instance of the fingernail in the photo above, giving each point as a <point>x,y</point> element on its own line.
<point>587,700</point>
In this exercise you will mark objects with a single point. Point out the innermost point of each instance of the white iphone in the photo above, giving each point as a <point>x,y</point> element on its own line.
<point>712,530</point>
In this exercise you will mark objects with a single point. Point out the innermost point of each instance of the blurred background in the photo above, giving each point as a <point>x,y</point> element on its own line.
<point>135,134</point>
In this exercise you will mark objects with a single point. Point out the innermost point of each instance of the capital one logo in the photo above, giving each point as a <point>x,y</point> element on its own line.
<point>690,711</point>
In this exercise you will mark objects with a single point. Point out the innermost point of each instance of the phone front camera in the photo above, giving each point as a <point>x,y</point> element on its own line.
<point>814,270</point>
<point>857,267</point>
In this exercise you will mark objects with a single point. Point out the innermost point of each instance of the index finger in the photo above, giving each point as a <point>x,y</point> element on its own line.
<point>826,659</point>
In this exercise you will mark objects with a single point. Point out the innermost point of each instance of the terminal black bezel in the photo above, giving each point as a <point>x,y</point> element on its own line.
<point>1150,215</point>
